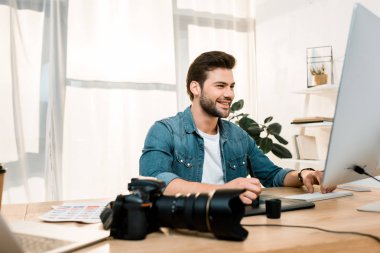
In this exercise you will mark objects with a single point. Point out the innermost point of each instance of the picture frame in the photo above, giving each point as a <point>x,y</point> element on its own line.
<point>319,66</point>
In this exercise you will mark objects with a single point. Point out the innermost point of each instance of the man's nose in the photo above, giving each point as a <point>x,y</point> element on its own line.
<point>229,93</point>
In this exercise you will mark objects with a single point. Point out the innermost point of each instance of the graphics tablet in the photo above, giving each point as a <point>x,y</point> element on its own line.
<point>286,205</point>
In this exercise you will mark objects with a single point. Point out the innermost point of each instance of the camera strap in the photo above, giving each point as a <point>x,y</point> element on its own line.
<point>106,216</point>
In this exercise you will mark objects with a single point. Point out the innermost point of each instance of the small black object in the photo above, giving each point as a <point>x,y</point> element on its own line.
<point>273,208</point>
<point>2,169</point>
<point>146,209</point>
<point>359,169</point>
<point>256,202</point>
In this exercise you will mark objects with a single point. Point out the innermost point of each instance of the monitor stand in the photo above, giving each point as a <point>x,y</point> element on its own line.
<point>371,207</point>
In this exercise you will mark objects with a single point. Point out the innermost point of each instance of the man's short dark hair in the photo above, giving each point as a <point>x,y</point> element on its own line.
<point>207,61</point>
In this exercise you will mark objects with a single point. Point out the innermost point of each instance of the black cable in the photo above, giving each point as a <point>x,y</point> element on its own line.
<point>358,170</point>
<point>361,171</point>
<point>316,228</point>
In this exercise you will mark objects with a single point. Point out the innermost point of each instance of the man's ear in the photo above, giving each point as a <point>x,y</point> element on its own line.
<point>195,88</point>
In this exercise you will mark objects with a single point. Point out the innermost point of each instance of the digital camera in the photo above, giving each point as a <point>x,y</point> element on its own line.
<point>146,209</point>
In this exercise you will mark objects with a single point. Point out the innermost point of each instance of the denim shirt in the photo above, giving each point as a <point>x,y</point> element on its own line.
<point>173,148</point>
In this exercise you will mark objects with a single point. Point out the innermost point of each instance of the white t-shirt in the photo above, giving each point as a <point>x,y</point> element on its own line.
<point>212,166</point>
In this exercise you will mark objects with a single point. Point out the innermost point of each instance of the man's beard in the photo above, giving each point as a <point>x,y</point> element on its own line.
<point>210,107</point>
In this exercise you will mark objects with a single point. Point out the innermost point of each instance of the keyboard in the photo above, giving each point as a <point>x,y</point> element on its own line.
<point>37,244</point>
<point>317,196</point>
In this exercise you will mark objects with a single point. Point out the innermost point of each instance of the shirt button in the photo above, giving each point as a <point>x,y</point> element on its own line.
<point>181,161</point>
<point>234,166</point>
<point>188,165</point>
<point>243,163</point>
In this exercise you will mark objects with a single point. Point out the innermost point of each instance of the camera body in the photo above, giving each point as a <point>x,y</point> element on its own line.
<point>133,215</point>
<point>146,209</point>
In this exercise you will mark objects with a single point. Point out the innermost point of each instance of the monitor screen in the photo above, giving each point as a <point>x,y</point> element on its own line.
<point>355,134</point>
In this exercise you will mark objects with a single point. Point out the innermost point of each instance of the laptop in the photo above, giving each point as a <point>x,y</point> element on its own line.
<point>286,205</point>
<point>25,236</point>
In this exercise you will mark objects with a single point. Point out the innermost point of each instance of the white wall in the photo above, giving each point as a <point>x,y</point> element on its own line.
<point>284,29</point>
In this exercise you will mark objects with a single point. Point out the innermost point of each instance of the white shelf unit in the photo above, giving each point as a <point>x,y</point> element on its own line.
<point>319,124</point>
<point>317,90</point>
<point>300,161</point>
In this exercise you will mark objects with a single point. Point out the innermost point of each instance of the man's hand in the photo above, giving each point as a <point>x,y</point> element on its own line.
<point>311,178</point>
<point>251,185</point>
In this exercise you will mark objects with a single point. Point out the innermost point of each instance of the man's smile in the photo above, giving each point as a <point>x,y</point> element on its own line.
<point>224,103</point>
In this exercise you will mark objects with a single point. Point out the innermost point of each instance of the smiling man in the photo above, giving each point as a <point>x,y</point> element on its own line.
<point>197,151</point>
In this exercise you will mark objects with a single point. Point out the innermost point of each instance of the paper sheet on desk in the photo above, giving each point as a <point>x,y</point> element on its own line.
<point>79,212</point>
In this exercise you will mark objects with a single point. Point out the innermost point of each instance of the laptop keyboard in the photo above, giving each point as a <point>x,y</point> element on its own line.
<point>38,244</point>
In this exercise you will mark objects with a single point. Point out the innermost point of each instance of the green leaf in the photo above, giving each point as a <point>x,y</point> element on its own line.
<point>257,139</point>
<point>267,120</point>
<point>281,151</point>
<point>254,130</point>
<point>266,145</point>
<point>246,122</point>
<point>280,139</point>
<point>237,105</point>
<point>274,128</point>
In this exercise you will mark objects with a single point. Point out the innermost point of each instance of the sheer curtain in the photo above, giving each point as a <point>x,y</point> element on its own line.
<point>84,80</point>
<point>120,79</point>
<point>21,148</point>
<point>224,25</point>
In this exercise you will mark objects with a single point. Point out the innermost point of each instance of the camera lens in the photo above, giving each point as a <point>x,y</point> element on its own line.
<point>183,211</point>
<point>219,213</point>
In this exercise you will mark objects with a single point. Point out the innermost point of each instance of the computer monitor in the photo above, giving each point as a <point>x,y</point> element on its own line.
<point>355,134</point>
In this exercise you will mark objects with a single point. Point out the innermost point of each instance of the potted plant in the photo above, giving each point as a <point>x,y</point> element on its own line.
<point>319,75</point>
<point>261,133</point>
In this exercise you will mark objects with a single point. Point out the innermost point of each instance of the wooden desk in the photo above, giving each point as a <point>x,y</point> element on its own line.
<point>336,214</point>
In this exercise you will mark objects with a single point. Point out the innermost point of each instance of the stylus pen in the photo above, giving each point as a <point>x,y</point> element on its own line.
<point>256,202</point>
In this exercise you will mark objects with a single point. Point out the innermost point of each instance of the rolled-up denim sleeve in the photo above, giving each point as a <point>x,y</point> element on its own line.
<point>157,156</point>
<point>278,180</point>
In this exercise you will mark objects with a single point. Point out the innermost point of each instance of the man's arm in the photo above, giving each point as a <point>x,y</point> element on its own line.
<point>291,179</point>
<point>251,185</point>
<point>309,178</point>
<point>157,157</point>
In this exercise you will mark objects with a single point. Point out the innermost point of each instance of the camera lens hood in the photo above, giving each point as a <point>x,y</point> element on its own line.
<point>225,213</point>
